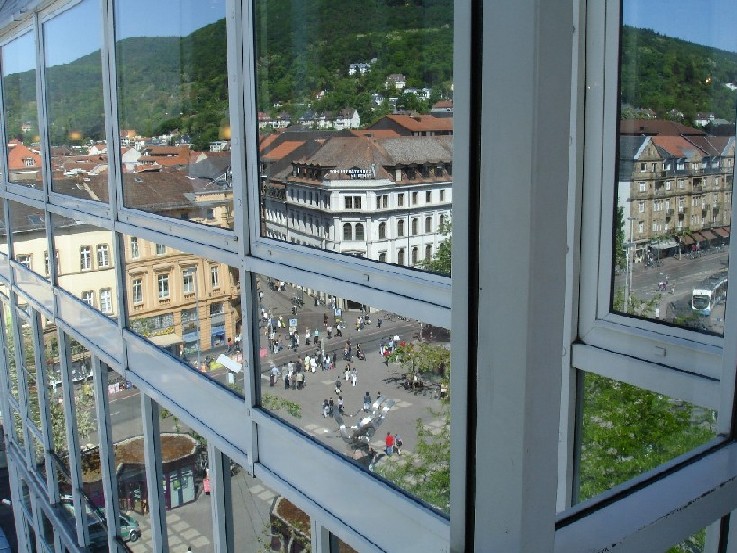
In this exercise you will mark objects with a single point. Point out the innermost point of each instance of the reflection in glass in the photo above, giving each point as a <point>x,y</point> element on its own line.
<point>693,544</point>
<point>28,231</point>
<point>338,546</point>
<point>54,396</point>
<point>20,110</point>
<point>672,221</point>
<point>353,192</point>
<point>261,518</point>
<point>9,351</point>
<point>186,305</point>
<point>3,229</point>
<point>173,106</point>
<point>85,263</point>
<point>74,103</point>
<point>384,381</point>
<point>628,431</point>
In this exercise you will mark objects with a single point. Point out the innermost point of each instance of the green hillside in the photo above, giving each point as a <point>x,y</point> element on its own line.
<point>663,73</point>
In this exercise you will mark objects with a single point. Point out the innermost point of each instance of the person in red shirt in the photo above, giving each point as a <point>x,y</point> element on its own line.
<point>389,442</point>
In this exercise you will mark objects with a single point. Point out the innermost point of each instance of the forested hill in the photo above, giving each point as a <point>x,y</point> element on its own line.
<point>305,48</point>
<point>663,73</point>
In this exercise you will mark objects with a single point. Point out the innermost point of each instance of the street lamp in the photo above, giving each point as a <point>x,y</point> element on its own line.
<point>628,275</point>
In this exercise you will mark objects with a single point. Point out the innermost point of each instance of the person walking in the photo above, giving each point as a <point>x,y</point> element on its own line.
<point>325,408</point>
<point>398,444</point>
<point>347,372</point>
<point>331,407</point>
<point>366,402</point>
<point>354,376</point>
<point>286,381</point>
<point>389,443</point>
<point>340,405</point>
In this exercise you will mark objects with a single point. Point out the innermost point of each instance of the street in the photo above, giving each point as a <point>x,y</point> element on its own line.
<point>682,275</point>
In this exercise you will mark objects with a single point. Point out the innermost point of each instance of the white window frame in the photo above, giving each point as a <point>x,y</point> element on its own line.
<point>162,285</point>
<point>639,352</point>
<point>85,258</point>
<point>103,256</point>
<point>88,297</point>
<point>137,290</point>
<point>106,301</point>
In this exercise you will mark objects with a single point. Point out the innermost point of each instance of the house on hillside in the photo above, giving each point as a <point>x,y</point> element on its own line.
<point>396,80</point>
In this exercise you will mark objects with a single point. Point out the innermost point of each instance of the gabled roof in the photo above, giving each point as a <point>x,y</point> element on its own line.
<point>421,123</point>
<point>656,127</point>
<point>282,150</point>
<point>677,146</point>
<point>712,145</point>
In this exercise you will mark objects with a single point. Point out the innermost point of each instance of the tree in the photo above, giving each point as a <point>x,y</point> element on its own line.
<point>425,473</point>
<point>620,248</point>
<point>441,259</point>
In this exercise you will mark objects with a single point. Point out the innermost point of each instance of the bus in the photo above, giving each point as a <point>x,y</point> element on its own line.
<point>707,294</point>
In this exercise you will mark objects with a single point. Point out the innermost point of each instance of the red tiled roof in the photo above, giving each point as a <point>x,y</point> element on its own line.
<point>421,123</point>
<point>678,146</point>
<point>655,127</point>
<point>283,149</point>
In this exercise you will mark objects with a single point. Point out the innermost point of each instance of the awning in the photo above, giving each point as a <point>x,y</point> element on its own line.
<point>166,340</point>
<point>228,363</point>
<point>709,235</point>
<point>686,240</point>
<point>698,237</point>
<point>722,231</point>
<point>664,245</point>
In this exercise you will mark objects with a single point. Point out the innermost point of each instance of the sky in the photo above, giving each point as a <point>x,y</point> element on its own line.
<point>707,22</point>
<point>77,31</point>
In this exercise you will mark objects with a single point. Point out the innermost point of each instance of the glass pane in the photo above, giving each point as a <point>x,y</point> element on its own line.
<point>173,109</point>
<point>383,192</point>
<point>368,383</point>
<point>3,230</point>
<point>9,351</point>
<point>37,457</point>
<point>28,362</point>
<point>186,305</point>
<point>21,116</point>
<point>127,435</point>
<point>18,427</point>
<point>54,395</point>
<point>28,228</point>
<point>186,497</point>
<point>74,102</point>
<point>85,263</point>
<point>628,431</point>
<point>261,519</point>
<point>692,544</point>
<point>337,545</point>
<point>676,164</point>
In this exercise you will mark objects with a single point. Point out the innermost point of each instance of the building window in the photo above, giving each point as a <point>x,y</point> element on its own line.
<point>135,253</point>
<point>415,255</point>
<point>668,185</point>
<point>382,257</point>
<point>163,284</point>
<point>442,221</point>
<point>359,231</point>
<point>188,281</point>
<point>400,200</point>
<point>352,202</point>
<point>347,231</point>
<point>643,186</point>
<point>428,197</point>
<point>442,195</point>
<point>24,259</point>
<point>428,225</point>
<point>400,227</point>
<point>382,231</point>
<point>88,297</point>
<point>415,198</point>
<point>215,276</point>
<point>415,226</point>
<point>400,256</point>
<point>106,301</point>
<point>137,289</point>
<point>160,249</point>
<point>103,256</point>
<point>428,252</point>
<point>85,258</point>
<point>641,207</point>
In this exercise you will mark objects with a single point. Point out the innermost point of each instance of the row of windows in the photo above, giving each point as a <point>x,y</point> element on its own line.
<point>189,284</point>
<point>355,231</point>
<point>85,259</point>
